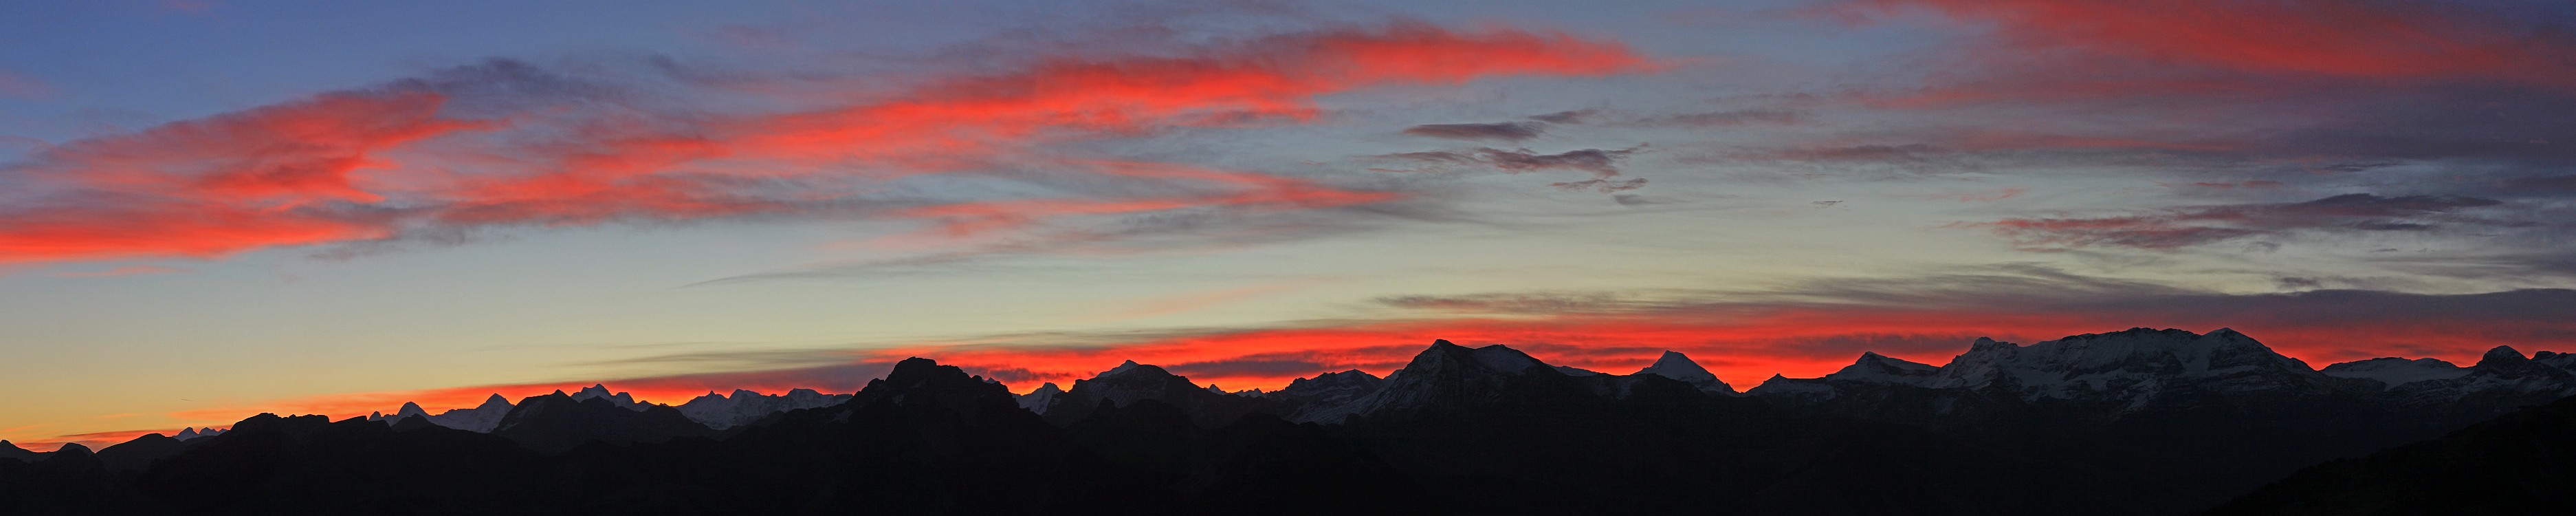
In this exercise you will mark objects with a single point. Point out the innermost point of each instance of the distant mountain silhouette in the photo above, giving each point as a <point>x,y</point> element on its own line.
<point>137,454</point>
<point>9,450</point>
<point>744,407</point>
<point>1131,382</point>
<point>557,422</point>
<point>2132,422</point>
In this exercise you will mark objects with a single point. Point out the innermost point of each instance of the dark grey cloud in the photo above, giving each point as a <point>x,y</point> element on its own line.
<point>1726,118</point>
<point>1504,131</point>
<point>2184,227</point>
<point>1602,163</point>
<point>1567,117</point>
<point>2542,184</point>
<point>1601,185</point>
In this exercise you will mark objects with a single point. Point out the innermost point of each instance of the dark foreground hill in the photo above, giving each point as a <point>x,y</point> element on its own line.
<point>2522,463</point>
<point>2139,422</point>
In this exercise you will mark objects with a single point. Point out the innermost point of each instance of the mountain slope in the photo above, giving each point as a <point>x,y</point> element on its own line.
<point>2521,463</point>
<point>556,422</point>
<point>1131,382</point>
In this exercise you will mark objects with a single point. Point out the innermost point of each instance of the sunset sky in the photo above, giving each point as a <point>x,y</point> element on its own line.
<point>213,208</point>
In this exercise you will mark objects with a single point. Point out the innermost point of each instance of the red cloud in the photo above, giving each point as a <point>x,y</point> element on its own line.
<point>2329,37</point>
<point>211,187</point>
<point>323,170</point>
<point>2088,49</point>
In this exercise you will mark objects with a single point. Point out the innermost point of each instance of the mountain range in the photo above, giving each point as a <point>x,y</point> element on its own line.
<point>2139,421</point>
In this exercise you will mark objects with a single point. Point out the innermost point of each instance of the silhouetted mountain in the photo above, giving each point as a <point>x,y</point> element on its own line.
<point>2204,417</point>
<point>2133,422</point>
<point>9,450</point>
<point>744,407</point>
<point>600,391</point>
<point>2396,371</point>
<point>1131,382</point>
<point>1042,399</point>
<point>481,418</point>
<point>2522,463</point>
<point>194,432</point>
<point>557,422</point>
<point>311,465</point>
<point>1677,366</point>
<point>137,454</point>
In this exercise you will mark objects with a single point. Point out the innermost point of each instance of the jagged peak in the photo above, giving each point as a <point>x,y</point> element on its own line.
<point>915,370</point>
<point>1047,387</point>
<point>495,400</point>
<point>1675,365</point>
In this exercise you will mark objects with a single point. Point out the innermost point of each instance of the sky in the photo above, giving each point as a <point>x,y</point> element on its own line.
<point>211,209</point>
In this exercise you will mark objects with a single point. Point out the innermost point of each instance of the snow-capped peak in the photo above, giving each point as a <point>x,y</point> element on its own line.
<point>1122,368</point>
<point>1876,368</point>
<point>2132,365</point>
<point>2396,371</point>
<point>1677,366</point>
<point>1042,398</point>
<point>600,391</point>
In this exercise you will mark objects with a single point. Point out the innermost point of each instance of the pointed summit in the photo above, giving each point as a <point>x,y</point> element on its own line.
<point>1131,382</point>
<point>9,450</point>
<point>1677,366</point>
<point>1445,376</point>
<point>1042,399</point>
<point>1876,368</point>
<point>1131,367</point>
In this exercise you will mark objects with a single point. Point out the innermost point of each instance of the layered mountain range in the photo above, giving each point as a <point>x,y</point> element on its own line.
<point>2133,422</point>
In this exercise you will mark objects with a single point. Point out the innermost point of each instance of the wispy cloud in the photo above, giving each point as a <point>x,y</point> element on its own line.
<point>2184,227</point>
<point>1504,131</point>
<point>506,144</point>
<point>1600,162</point>
<point>129,270</point>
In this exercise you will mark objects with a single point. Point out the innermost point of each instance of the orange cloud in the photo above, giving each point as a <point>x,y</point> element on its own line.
<point>374,165</point>
<point>95,441</point>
